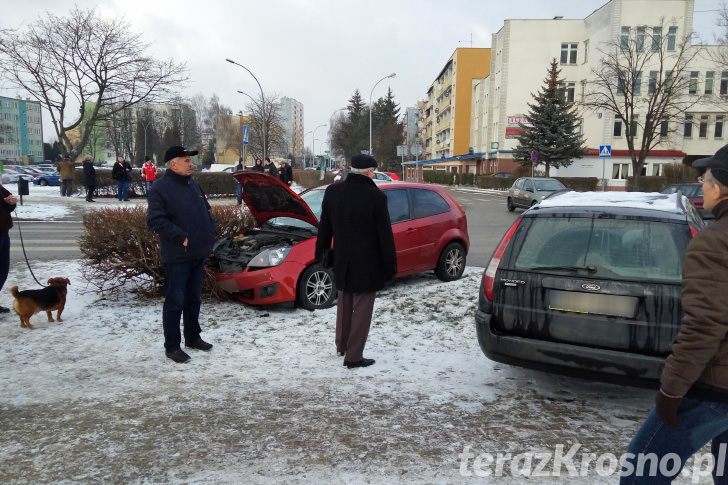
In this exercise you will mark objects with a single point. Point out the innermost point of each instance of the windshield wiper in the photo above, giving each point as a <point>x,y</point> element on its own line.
<point>590,268</point>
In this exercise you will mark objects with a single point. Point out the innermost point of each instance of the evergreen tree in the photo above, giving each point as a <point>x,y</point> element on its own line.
<point>554,127</point>
<point>387,132</point>
<point>351,135</point>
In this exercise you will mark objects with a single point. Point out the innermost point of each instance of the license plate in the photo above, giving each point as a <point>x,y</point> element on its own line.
<point>599,304</point>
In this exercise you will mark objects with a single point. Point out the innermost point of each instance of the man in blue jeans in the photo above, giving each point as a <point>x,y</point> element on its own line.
<point>179,212</point>
<point>121,172</point>
<point>691,405</point>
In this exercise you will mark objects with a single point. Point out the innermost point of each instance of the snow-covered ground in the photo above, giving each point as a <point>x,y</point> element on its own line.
<point>94,399</point>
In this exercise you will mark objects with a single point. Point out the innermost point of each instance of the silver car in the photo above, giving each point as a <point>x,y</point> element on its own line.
<point>529,191</point>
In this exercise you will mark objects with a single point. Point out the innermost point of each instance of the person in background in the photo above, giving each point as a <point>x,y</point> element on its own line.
<point>121,172</point>
<point>239,188</point>
<point>149,173</point>
<point>270,167</point>
<point>354,215</point>
<point>285,173</point>
<point>66,168</point>
<point>258,167</point>
<point>179,212</point>
<point>7,205</point>
<point>691,404</point>
<point>89,178</point>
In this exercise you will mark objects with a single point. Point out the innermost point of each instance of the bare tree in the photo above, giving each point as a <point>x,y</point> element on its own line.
<point>649,108</point>
<point>85,68</point>
<point>266,123</point>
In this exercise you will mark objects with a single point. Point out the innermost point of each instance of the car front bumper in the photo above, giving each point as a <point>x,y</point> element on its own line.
<point>265,286</point>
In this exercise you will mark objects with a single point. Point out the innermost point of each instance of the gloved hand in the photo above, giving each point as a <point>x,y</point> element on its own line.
<point>666,407</point>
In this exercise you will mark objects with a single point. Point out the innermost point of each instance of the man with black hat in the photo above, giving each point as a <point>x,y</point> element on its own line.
<point>691,405</point>
<point>354,213</point>
<point>179,212</point>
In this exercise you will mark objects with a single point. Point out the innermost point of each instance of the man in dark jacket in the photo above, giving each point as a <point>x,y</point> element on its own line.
<point>285,173</point>
<point>691,406</point>
<point>89,178</point>
<point>239,188</point>
<point>7,205</point>
<point>258,167</point>
<point>179,212</point>
<point>354,213</point>
<point>121,172</point>
<point>270,167</point>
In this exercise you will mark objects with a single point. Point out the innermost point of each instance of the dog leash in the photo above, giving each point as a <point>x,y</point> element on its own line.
<point>22,244</point>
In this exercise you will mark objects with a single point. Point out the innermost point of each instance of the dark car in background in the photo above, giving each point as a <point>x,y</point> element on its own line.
<point>274,262</point>
<point>529,191</point>
<point>589,283</point>
<point>49,179</point>
<point>694,193</point>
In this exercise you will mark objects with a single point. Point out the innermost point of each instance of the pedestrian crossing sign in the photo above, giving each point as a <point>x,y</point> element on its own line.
<point>605,151</point>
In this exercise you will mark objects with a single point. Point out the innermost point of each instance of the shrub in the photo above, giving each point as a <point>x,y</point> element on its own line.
<point>120,249</point>
<point>648,184</point>
<point>676,173</point>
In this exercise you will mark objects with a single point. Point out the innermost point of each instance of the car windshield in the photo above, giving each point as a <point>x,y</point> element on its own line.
<point>634,249</point>
<point>546,185</point>
<point>687,190</point>
<point>313,199</point>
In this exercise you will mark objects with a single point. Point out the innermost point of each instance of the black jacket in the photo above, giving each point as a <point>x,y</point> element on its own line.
<point>89,173</point>
<point>121,171</point>
<point>6,221</point>
<point>178,209</point>
<point>285,173</point>
<point>354,213</point>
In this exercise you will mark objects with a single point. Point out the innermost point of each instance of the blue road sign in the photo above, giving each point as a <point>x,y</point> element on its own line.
<point>245,134</point>
<point>605,151</point>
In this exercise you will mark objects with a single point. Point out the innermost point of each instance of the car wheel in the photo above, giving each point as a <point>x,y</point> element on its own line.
<point>451,264</point>
<point>510,205</point>
<point>43,183</point>
<point>316,288</point>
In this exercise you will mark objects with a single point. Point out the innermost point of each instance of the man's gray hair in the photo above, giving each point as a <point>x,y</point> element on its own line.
<point>360,171</point>
<point>713,180</point>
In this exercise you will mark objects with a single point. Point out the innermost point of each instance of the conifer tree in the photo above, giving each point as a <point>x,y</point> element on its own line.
<point>553,129</point>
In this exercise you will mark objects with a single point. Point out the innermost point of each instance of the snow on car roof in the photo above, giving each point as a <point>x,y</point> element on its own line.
<point>638,200</point>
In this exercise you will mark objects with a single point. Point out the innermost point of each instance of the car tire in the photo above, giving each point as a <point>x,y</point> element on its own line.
<point>43,183</point>
<point>316,288</point>
<point>451,263</point>
<point>510,205</point>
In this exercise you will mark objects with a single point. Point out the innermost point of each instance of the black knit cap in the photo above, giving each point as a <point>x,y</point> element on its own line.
<point>363,161</point>
<point>718,165</point>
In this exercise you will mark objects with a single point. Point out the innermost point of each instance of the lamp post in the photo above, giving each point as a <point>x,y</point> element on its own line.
<point>370,108</point>
<point>304,147</point>
<point>313,140</point>
<point>242,128</point>
<point>262,99</point>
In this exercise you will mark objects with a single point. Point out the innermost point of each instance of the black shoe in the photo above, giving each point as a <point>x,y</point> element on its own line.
<point>4,309</point>
<point>199,344</point>
<point>361,363</point>
<point>178,356</point>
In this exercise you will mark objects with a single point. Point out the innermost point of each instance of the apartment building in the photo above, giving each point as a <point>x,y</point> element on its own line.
<point>291,112</point>
<point>21,131</point>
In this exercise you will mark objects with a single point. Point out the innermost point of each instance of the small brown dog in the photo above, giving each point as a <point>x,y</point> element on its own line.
<point>29,302</point>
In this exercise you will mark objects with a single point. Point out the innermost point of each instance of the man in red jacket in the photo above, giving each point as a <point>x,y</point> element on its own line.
<point>691,405</point>
<point>354,214</point>
<point>149,173</point>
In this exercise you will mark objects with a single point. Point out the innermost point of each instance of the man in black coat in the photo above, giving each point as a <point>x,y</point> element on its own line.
<point>354,213</point>
<point>285,173</point>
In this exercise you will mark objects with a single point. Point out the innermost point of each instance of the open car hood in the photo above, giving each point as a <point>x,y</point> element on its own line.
<point>267,197</point>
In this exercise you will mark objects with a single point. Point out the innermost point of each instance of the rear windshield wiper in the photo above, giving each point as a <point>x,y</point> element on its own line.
<point>590,268</point>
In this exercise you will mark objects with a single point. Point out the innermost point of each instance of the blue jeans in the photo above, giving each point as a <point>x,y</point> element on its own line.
<point>239,187</point>
<point>703,421</point>
<point>147,186</point>
<point>4,259</point>
<point>122,190</point>
<point>182,289</point>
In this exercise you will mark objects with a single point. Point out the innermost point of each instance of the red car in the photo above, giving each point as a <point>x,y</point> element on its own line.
<point>393,175</point>
<point>274,262</point>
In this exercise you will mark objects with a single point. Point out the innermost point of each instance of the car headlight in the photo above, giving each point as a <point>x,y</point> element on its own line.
<point>270,257</point>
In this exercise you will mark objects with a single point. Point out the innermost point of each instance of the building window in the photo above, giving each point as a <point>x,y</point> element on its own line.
<point>568,53</point>
<point>656,38</point>
<point>620,171</point>
<point>703,127</point>
<point>633,126</point>
<point>624,39</point>
<point>637,82</point>
<point>652,83</point>
<point>664,127</point>
<point>569,90</point>
<point>693,85</point>
<point>586,50</point>
<point>724,83</point>
<point>719,126</point>
<point>709,82</point>
<point>668,80</point>
<point>688,131</point>
<point>620,82</point>
<point>658,170</point>
<point>640,40</point>
<point>617,127</point>
<point>671,38</point>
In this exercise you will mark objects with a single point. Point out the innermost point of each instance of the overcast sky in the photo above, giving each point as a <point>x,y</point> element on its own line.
<point>316,51</point>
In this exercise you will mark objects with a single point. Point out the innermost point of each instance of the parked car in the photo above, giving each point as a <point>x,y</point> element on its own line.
<point>274,263</point>
<point>501,175</point>
<point>694,193</point>
<point>10,176</point>
<point>529,191</point>
<point>51,179</point>
<point>382,176</point>
<point>588,283</point>
<point>392,175</point>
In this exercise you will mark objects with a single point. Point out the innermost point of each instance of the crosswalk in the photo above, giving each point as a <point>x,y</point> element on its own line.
<point>45,240</point>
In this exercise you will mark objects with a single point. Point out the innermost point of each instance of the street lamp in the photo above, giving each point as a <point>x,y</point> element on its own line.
<point>313,140</point>
<point>262,99</point>
<point>370,109</point>
<point>304,147</point>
